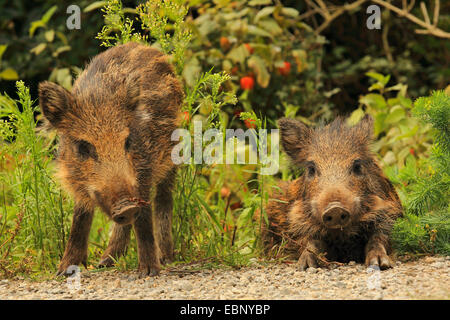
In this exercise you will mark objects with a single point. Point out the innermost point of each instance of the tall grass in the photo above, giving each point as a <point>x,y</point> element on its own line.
<point>29,194</point>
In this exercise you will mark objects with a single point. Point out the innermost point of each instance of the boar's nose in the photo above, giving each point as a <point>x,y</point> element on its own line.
<point>335,216</point>
<point>124,212</point>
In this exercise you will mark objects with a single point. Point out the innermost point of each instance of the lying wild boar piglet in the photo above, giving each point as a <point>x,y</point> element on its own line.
<point>341,205</point>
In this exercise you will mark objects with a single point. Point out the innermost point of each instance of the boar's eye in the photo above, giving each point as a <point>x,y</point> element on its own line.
<point>127,143</point>
<point>86,150</point>
<point>357,167</point>
<point>311,169</point>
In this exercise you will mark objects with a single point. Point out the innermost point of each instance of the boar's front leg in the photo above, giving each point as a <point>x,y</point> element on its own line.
<point>117,245</point>
<point>311,248</point>
<point>164,208</point>
<point>376,254</point>
<point>76,248</point>
<point>383,216</point>
<point>148,250</point>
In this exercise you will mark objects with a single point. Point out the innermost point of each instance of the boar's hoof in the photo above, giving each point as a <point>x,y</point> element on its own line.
<point>378,258</point>
<point>106,262</point>
<point>307,260</point>
<point>69,270</point>
<point>148,271</point>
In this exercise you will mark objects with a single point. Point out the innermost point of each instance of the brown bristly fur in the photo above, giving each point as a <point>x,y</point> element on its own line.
<point>115,131</point>
<point>339,168</point>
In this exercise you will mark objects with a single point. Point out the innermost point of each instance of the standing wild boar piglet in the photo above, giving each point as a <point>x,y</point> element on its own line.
<point>342,205</point>
<point>114,132</point>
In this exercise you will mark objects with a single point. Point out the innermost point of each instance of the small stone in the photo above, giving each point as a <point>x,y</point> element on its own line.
<point>428,259</point>
<point>117,284</point>
<point>312,270</point>
<point>352,263</point>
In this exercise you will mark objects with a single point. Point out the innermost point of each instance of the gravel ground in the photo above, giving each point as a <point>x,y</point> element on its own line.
<point>427,278</point>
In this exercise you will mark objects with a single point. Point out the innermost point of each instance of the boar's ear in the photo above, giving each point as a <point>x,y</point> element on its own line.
<point>295,136</point>
<point>365,128</point>
<point>54,101</point>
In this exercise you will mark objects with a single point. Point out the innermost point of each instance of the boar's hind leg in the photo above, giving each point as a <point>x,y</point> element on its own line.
<point>76,248</point>
<point>308,258</point>
<point>148,250</point>
<point>117,245</point>
<point>164,207</point>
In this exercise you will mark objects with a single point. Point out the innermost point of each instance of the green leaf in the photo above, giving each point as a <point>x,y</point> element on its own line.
<point>262,75</point>
<point>238,54</point>
<point>258,31</point>
<point>379,77</point>
<point>264,13</point>
<point>34,26</point>
<point>2,50</point>
<point>373,100</point>
<point>376,86</point>
<point>375,75</point>
<point>406,102</point>
<point>64,78</point>
<point>9,74</point>
<point>49,35</point>
<point>61,50</point>
<point>209,211</point>
<point>255,3</point>
<point>396,114</point>
<point>39,48</point>
<point>290,12</point>
<point>355,117</point>
<point>271,26</point>
<point>379,124</point>
<point>94,5</point>
<point>46,17</point>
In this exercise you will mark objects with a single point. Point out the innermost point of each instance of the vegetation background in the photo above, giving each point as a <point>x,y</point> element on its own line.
<point>244,64</point>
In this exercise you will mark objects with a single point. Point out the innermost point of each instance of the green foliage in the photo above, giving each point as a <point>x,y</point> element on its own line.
<point>173,38</point>
<point>424,185</point>
<point>397,133</point>
<point>118,29</point>
<point>34,221</point>
<point>255,39</point>
<point>40,47</point>
<point>7,73</point>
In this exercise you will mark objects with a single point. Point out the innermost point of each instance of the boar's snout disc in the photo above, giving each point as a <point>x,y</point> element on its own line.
<point>126,214</point>
<point>336,216</point>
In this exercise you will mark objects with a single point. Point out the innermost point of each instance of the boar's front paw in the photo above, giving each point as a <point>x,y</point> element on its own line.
<point>377,257</point>
<point>147,270</point>
<point>106,262</point>
<point>68,266</point>
<point>307,260</point>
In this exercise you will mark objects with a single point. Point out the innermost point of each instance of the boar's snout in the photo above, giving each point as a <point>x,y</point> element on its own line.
<point>336,216</point>
<point>124,212</point>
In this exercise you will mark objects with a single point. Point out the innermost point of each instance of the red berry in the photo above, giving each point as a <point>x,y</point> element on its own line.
<point>285,69</point>
<point>250,123</point>
<point>412,152</point>
<point>249,48</point>
<point>224,43</point>
<point>247,83</point>
<point>225,192</point>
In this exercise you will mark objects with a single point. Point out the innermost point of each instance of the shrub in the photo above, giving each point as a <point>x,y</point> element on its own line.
<point>424,184</point>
